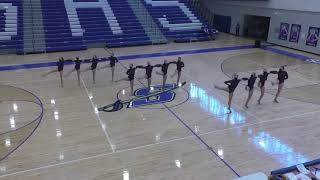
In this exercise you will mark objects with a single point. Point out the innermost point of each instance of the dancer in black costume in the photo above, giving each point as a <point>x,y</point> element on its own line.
<point>93,67</point>
<point>60,66</point>
<point>231,87</point>
<point>76,68</point>
<point>164,71</point>
<point>112,64</point>
<point>180,65</point>
<point>282,76</point>
<point>131,74</point>
<point>250,87</point>
<point>263,78</point>
<point>148,74</point>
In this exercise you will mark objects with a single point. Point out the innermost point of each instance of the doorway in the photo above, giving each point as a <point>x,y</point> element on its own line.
<point>256,27</point>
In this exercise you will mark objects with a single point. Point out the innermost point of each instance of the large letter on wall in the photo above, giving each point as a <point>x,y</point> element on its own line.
<point>74,19</point>
<point>195,23</point>
<point>11,16</point>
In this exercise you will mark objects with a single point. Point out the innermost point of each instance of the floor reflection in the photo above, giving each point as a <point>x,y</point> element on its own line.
<point>214,106</point>
<point>283,153</point>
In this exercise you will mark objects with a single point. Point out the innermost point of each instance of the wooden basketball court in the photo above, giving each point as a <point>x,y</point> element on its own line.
<point>190,137</point>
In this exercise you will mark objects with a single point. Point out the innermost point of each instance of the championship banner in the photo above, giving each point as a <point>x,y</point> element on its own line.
<point>284,31</point>
<point>313,36</point>
<point>295,33</point>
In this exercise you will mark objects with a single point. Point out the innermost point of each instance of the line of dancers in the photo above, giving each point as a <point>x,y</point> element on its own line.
<point>148,74</point>
<point>112,63</point>
<point>77,63</point>
<point>233,83</point>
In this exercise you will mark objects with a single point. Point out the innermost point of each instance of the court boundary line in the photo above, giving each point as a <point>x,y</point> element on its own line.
<point>131,57</point>
<point>299,57</point>
<point>194,133</point>
<point>190,129</point>
<point>12,67</point>
<point>98,117</point>
<point>153,144</point>
<point>191,136</point>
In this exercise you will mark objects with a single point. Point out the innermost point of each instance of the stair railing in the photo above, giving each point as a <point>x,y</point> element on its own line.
<point>152,27</point>
<point>205,12</point>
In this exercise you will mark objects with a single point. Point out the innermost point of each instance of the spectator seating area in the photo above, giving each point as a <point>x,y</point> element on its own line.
<point>60,32</point>
<point>177,19</point>
<point>11,25</point>
<point>74,24</point>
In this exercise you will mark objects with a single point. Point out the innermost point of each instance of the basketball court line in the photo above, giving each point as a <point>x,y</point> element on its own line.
<point>304,79</point>
<point>130,57</point>
<point>153,144</point>
<point>219,95</point>
<point>190,136</point>
<point>289,54</point>
<point>261,122</point>
<point>301,73</point>
<point>202,141</point>
<point>284,88</point>
<point>168,53</point>
<point>235,104</point>
<point>95,156</point>
<point>191,130</point>
<point>103,126</point>
<point>164,142</point>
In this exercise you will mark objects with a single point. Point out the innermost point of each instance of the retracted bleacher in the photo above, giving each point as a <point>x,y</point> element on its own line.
<point>177,19</point>
<point>75,24</point>
<point>11,25</point>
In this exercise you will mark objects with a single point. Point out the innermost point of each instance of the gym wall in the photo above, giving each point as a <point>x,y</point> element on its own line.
<point>303,12</point>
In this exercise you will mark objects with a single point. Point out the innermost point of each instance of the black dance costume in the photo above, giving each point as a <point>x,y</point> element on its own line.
<point>149,69</point>
<point>60,65</point>
<point>232,84</point>
<point>251,81</point>
<point>164,67</point>
<point>263,78</point>
<point>130,72</point>
<point>94,63</point>
<point>282,75</point>
<point>180,65</point>
<point>113,61</point>
<point>78,63</point>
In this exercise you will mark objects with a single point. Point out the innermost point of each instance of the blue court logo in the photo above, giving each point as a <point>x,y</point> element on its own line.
<point>154,96</point>
<point>144,97</point>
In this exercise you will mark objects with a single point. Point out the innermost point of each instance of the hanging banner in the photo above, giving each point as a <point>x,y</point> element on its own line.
<point>313,36</point>
<point>284,31</point>
<point>295,33</point>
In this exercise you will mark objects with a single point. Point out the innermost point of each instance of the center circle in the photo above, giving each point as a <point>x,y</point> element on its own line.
<point>16,114</point>
<point>181,96</point>
<point>20,115</point>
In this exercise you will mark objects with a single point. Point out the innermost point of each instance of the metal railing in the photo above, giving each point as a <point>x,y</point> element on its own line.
<point>154,29</point>
<point>203,10</point>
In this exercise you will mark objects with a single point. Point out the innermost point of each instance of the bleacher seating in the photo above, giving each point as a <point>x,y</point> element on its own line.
<point>11,25</point>
<point>74,24</point>
<point>133,32</point>
<point>57,29</point>
<point>177,20</point>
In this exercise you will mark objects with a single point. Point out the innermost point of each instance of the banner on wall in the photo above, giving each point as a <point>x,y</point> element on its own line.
<point>295,33</point>
<point>313,36</point>
<point>284,31</point>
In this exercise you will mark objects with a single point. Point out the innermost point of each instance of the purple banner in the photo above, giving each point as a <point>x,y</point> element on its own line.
<point>295,33</point>
<point>313,36</point>
<point>284,31</point>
